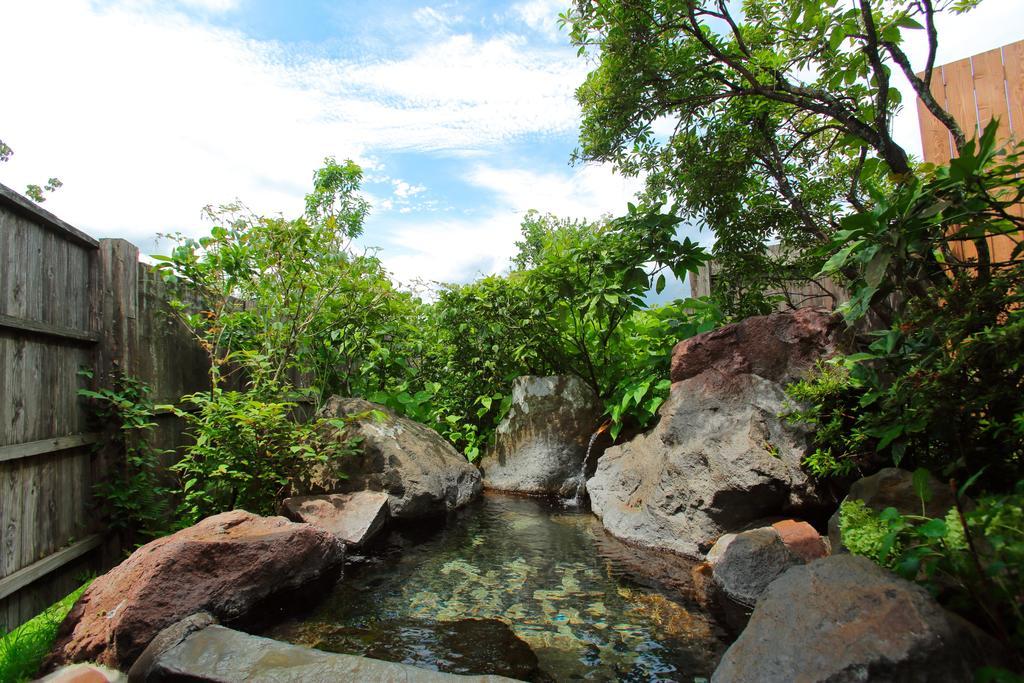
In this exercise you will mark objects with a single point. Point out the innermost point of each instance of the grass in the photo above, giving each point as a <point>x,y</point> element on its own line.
<point>23,649</point>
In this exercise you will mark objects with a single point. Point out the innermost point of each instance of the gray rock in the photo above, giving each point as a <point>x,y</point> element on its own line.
<point>892,487</point>
<point>422,473</point>
<point>844,619</point>
<point>165,640</point>
<point>744,564</point>
<point>720,456</point>
<point>354,518</point>
<point>221,655</point>
<point>716,461</point>
<point>541,444</point>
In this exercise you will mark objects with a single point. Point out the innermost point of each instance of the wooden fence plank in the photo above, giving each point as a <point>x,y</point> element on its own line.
<point>936,141</point>
<point>46,330</point>
<point>16,203</point>
<point>1013,68</point>
<point>44,446</point>
<point>23,577</point>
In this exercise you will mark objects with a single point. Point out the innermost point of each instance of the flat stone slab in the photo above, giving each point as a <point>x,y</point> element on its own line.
<point>354,518</point>
<point>221,655</point>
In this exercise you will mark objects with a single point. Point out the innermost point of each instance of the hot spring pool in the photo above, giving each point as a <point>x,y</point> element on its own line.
<point>589,607</point>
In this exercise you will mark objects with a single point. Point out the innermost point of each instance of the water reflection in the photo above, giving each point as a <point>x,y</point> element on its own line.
<point>587,606</point>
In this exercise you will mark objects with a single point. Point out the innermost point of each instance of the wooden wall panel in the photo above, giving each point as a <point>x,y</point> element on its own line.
<point>976,90</point>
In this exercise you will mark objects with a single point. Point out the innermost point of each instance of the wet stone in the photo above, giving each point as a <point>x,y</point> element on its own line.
<point>431,645</point>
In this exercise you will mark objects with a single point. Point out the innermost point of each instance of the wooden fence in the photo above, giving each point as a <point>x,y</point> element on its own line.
<point>976,90</point>
<point>821,293</point>
<point>69,302</point>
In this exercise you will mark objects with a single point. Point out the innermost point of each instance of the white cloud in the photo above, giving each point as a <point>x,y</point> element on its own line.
<point>147,115</point>
<point>541,15</point>
<point>589,191</point>
<point>430,18</point>
<point>459,249</point>
<point>211,5</point>
<point>404,190</point>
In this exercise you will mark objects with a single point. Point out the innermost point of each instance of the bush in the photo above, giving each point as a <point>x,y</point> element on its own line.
<point>251,452</point>
<point>941,385</point>
<point>135,500</point>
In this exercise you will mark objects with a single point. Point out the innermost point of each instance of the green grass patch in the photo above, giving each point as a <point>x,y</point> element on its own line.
<point>23,649</point>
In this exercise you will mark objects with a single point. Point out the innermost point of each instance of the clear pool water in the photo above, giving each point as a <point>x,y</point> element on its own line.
<point>586,605</point>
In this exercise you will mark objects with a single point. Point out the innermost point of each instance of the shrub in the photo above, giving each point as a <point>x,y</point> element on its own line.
<point>251,452</point>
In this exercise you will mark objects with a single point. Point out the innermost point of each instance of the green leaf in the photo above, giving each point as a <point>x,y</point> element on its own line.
<point>922,485</point>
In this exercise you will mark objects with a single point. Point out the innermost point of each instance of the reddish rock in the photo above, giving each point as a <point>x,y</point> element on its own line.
<point>354,518</point>
<point>779,347</point>
<point>226,565</point>
<point>801,539</point>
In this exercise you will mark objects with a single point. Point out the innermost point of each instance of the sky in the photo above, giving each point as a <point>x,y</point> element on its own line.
<point>461,113</point>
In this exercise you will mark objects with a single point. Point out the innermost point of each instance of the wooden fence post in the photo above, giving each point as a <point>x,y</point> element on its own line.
<point>117,307</point>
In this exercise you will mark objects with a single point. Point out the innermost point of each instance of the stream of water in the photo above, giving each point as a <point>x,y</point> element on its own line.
<point>521,588</point>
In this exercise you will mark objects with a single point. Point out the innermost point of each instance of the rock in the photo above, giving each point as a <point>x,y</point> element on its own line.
<point>83,673</point>
<point>892,487</point>
<point>720,456</point>
<point>540,446</point>
<point>462,646</point>
<point>422,473</point>
<point>164,641</point>
<point>802,539</point>
<point>228,565</point>
<point>354,518</point>
<point>218,655</point>
<point>744,564</point>
<point>779,347</point>
<point>741,566</point>
<point>842,619</point>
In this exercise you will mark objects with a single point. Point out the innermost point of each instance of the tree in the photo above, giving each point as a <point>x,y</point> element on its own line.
<point>780,113</point>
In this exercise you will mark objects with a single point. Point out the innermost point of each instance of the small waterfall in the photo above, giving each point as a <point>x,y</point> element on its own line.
<point>581,481</point>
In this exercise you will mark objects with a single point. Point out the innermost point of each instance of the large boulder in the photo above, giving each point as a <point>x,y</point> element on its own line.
<point>541,444</point>
<point>227,565</point>
<point>720,456</point>
<point>420,471</point>
<point>354,518</point>
<point>779,347</point>
<point>216,654</point>
<point>893,487</point>
<point>845,619</point>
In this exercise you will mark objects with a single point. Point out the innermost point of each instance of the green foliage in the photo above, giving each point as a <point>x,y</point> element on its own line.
<point>251,451</point>
<point>779,118</point>
<point>22,650</point>
<point>133,497</point>
<point>584,279</point>
<point>973,559</point>
<point>272,299</point>
<point>940,387</point>
<point>476,338</point>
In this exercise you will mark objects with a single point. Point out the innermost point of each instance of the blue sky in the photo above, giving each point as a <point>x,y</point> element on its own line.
<point>461,113</point>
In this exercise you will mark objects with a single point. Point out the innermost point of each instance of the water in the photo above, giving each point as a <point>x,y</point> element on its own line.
<point>589,607</point>
<point>581,483</point>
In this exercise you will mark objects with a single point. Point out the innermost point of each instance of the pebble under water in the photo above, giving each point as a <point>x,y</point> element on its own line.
<point>521,588</point>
